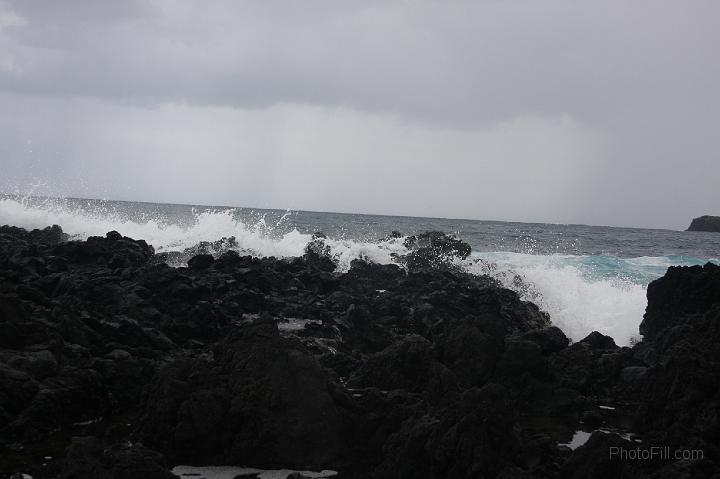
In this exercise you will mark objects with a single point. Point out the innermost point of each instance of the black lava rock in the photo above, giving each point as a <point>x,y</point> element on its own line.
<point>705,223</point>
<point>410,370</point>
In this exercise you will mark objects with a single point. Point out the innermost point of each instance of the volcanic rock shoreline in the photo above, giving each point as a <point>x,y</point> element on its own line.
<point>115,365</point>
<point>705,223</point>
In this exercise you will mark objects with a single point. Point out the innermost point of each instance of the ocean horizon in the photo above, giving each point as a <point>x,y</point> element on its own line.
<point>21,196</point>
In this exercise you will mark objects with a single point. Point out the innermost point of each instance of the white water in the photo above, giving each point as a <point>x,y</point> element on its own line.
<point>164,236</point>
<point>579,438</point>
<point>229,472</point>
<point>577,291</point>
<point>577,302</point>
<point>258,239</point>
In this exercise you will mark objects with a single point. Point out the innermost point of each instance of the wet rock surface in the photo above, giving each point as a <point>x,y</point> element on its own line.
<point>114,364</point>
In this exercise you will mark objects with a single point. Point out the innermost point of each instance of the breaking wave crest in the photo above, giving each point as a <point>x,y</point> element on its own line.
<point>254,233</point>
<point>578,300</point>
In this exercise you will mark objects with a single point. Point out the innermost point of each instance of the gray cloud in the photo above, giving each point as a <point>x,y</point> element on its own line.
<point>626,91</point>
<point>477,61</point>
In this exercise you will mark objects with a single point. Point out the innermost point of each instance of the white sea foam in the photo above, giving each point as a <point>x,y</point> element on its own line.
<point>578,302</point>
<point>259,238</point>
<point>229,472</point>
<point>581,293</point>
<point>163,235</point>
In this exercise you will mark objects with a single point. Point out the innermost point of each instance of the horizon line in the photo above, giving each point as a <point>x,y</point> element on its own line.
<point>17,195</point>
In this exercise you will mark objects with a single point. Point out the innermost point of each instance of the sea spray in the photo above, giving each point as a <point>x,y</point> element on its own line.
<point>578,301</point>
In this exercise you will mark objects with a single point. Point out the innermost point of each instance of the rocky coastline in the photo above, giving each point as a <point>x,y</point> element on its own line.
<point>115,365</point>
<point>705,223</point>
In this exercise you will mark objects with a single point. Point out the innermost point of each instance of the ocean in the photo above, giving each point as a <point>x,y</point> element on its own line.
<point>585,277</point>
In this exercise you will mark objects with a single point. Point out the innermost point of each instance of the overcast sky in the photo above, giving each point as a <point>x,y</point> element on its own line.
<point>547,111</point>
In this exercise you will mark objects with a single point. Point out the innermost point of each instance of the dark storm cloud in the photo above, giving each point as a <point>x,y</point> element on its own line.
<point>635,83</point>
<point>463,62</point>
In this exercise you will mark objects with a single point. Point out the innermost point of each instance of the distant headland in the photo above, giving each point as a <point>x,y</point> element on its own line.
<point>705,223</point>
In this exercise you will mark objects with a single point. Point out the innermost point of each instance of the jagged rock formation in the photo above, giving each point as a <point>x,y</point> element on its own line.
<point>378,372</point>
